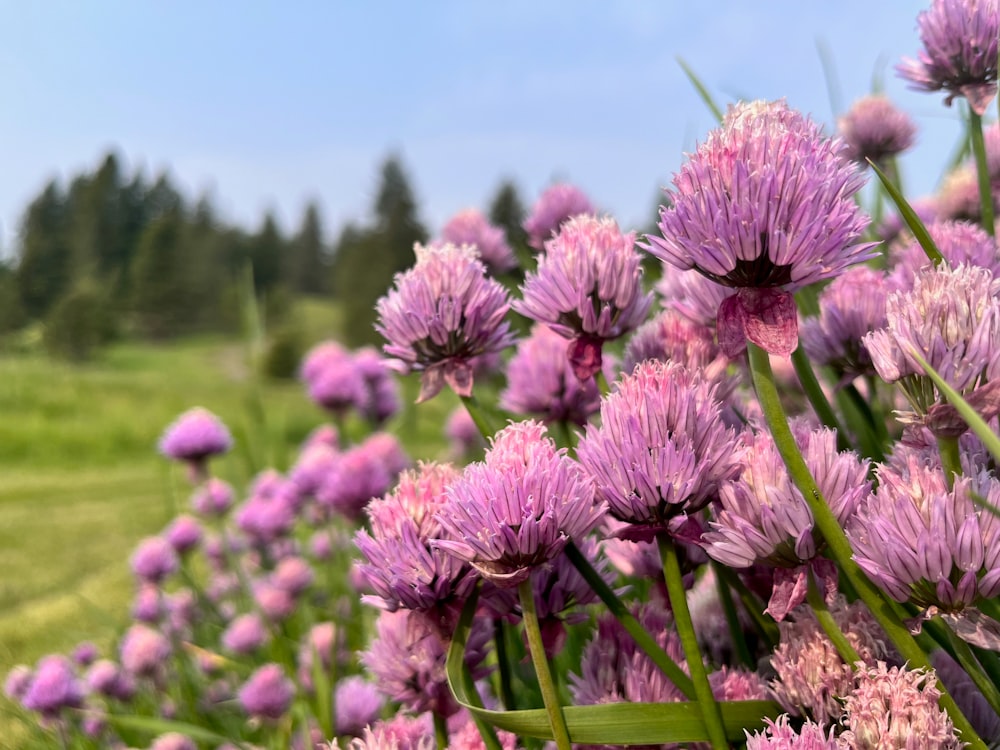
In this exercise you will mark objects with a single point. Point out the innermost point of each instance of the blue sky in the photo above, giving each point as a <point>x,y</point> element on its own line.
<point>268,104</point>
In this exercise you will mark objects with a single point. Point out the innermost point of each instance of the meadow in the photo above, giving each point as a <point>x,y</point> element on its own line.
<point>81,482</point>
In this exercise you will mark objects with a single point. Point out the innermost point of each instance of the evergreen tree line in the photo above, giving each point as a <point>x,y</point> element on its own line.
<point>113,254</point>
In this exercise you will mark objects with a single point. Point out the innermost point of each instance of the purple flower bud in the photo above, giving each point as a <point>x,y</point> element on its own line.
<point>148,604</point>
<point>84,654</point>
<point>213,498</point>
<point>293,574</point>
<point>183,534</point>
<point>554,207</point>
<point>245,634</point>
<point>960,51</point>
<point>274,603</point>
<point>268,694</point>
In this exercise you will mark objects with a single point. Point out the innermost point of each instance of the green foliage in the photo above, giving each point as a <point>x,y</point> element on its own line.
<point>283,353</point>
<point>161,280</point>
<point>507,212</point>
<point>79,323</point>
<point>306,265</point>
<point>44,270</point>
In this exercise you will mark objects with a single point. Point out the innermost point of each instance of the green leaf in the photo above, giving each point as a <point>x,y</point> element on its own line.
<point>605,724</point>
<point>700,88</point>
<point>910,217</point>
<point>153,725</point>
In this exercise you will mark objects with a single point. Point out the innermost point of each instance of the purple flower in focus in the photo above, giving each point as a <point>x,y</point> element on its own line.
<point>407,660</point>
<point>268,694</point>
<point>766,206</point>
<point>897,707</point>
<point>541,382</point>
<point>154,559</point>
<point>662,450</point>
<point>556,204</point>
<point>402,566</point>
<point>441,314</point>
<point>960,51</point>
<point>852,306</point>
<point>874,128</point>
<point>402,732</point>
<point>971,702</point>
<point>358,704</point>
<point>519,507</point>
<point>695,297</point>
<point>921,542</point>
<point>54,686</point>
<point>587,288</point>
<point>195,436</point>
<point>951,318</point>
<point>778,734</point>
<point>470,227</point>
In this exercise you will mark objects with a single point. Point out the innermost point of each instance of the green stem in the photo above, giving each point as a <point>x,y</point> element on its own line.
<point>710,713</point>
<point>564,435</point>
<point>602,383</point>
<point>440,731</point>
<point>972,667</point>
<point>814,392</point>
<point>732,619</point>
<point>836,539</point>
<point>479,416</point>
<point>829,625</point>
<point>979,151</point>
<point>639,634</point>
<point>503,665</point>
<point>753,606</point>
<point>548,687</point>
<point>951,460</point>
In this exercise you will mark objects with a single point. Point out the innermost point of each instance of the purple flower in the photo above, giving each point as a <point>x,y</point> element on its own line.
<point>811,679</point>
<point>960,51</point>
<point>587,288</point>
<point>763,517</point>
<point>851,307</point>
<point>765,205</point>
<point>541,382</point>
<point>107,678</point>
<point>358,704</point>
<point>662,450</point>
<point>951,318</point>
<point>173,741</point>
<point>671,336</point>
<point>556,204</point>
<point>407,660</point>
<point>325,641</point>
<point>779,735</point>
<point>213,498</point>
<point>268,694</point>
<point>874,128</point>
<point>470,227</point>
<point>695,297</point>
<point>183,534</point>
<point>53,687</point>
<point>921,542</point>
<point>85,653</point>
<point>154,560</point>
<point>973,705</point>
<point>268,514</point>
<point>958,197</point>
<point>276,604</point>
<point>383,391</point>
<point>293,574</point>
<point>194,436</point>
<point>519,507</point>
<point>17,681</point>
<point>441,314</point>
<point>144,651</point>
<point>403,568</point>
<point>245,634</point>
<point>358,475</point>
<point>336,383</point>
<point>897,707</point>
<point>960,243</point>
<point>402,732</point>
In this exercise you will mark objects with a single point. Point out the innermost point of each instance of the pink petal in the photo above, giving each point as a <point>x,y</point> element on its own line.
<point>731,327</point>
<point>772,319</point>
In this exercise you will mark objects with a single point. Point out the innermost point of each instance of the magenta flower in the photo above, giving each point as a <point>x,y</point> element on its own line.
<point>541,382</point>
<point>245,634</point>
<point>441,314</point>
<point>921,542</point>
<point>662,451</point>
<point>144,651</point>
<point>519,507</point>
<point>960,51</point>
<point>357,476</point>
<point>154,560</point>
<point>778,734</point>
<point>470,227</point>
<point>402,732</point>
<point>194,437</point>
<point>951,318</point>
<point>897,707</point>
<point>213,498</point>
<point>556,204</point>
<point>958,197</point>
<point>874,128</point>
<point>587,288</point>
<point>54,686</point>
<point>695,297</point>
<point>402,566</point>
<point>268,694</point>
<point>766,206</point>
<point>380,381</point>
<point>358,704</point>
<point>852,306</point>
<point>183,534</point>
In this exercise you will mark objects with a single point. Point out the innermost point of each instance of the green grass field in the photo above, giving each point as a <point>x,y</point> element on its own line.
<point>81,482</point>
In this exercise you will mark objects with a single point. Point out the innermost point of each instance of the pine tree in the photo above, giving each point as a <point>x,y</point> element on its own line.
<point>162,298</point>
<point>507,212</point>
<point>266,251</point>
<point>44,268</point>
<point>306,269</point>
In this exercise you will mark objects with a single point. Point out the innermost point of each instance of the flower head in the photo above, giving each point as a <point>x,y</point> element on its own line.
<point>780,735</point>
<point>470,227</point>
<point>671,336</point>
<point>53,687</point>
<point>441,314</point>
<point>587,288</point>
<point>960,51</point>
<point>556,204</point>
<point>662,450</point>
<point>519,507</point>
<point>959,242</point>
<point>268,693</point>
<point>144,650</point>
<point>195,436</point>
<point>541,382</point>
<point>358,704</point>
<point>874,128</point>
<point>154,559</point>
<point>765,205</point>
<point>245,634</point>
